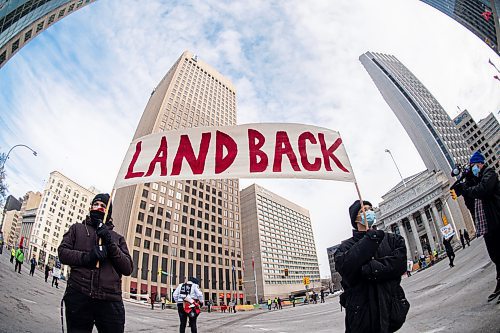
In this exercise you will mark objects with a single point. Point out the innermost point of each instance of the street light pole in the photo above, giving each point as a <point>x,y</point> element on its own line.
<point>7,157</point>
<point>389,152</point>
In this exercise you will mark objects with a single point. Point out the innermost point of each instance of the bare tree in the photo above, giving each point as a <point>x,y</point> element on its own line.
<point>3,184</point>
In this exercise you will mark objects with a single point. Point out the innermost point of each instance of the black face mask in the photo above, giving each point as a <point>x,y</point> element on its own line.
<point>96,217</point>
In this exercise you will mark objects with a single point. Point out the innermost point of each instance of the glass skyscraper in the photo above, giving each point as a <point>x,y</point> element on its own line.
<point>479,16</point>
<point>22,20</point>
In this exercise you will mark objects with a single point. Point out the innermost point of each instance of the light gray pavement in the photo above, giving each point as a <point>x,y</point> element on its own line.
<point>443,299</point>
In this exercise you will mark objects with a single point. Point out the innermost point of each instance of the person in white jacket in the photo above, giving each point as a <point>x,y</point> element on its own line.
<point>189,292</point>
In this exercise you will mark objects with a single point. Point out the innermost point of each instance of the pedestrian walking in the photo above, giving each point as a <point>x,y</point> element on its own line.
<point>235,302</point>
<point>293,301</point>
<point>47,271</point>
<point>449,250</point>
<point>163,303</point>
<point>1,242</point>
<point>94,289</point>
<point>371,263</point>
<point>467,237</point>
<point>322,296</point>
<point>209,305</point>
<point>12,254</point>
<point>56,273</point>
<point>33,265</point>
<point>462,240</point>
<point>409,267</point>
<point>189,300</point>
<point>275,302</point>
<point>269,303</point>
<point>152,301</point>
<point>482,196</point>
<point>19,259</point>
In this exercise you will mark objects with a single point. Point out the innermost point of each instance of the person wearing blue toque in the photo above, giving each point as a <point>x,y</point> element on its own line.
<point>485,193</point>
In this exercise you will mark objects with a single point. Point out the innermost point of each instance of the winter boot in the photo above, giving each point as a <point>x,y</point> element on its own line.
<point>496,292</point>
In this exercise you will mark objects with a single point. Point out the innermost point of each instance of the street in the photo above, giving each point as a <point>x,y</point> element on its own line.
<point>442,299</point>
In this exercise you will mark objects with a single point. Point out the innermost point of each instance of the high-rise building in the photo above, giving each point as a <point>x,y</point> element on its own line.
<point>63,203</point>
<point>278,245</point>
<point>11,219</point>
<point>475,138</point>
<point>31,200</point>
<point>27,223</point>
<point>184,228</point>
<point>479,16</point>
<point>439,143</point>
<point>22,20</point>
<point>335,276</point>
<point>491,131</point>
<point>10,204</point>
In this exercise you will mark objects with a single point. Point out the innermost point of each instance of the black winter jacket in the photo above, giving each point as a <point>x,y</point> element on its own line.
<point>371,270</point>
<point>488,191</point>
<point>100,283</point>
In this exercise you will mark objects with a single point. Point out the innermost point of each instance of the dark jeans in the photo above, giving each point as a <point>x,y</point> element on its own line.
<point>54,280</point>
<point>82,312</point>
<point>183,316</point>
<point>32,270</point>
<point>451,257</point>
<point>18,266</point>
<point>492,240</point>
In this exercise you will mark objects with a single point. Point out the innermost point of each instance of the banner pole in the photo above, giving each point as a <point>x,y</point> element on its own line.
<point>104,220</point>
<point>361,202</point>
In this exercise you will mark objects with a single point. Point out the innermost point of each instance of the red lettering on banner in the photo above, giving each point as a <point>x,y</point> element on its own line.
<point>303,152</point>
<point>160,157</point>
<point>223,140</point>
<point>283,147</point>
<point>185,150</point>
<point>130,170</point>
<point>255,141</point>
<point>328,153</point>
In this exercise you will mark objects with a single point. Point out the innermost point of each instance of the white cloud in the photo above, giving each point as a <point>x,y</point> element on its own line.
<point>76,93</point>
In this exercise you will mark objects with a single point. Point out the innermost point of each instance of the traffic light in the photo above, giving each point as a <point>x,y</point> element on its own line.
<point>306,280</point>
<point>453,194</point>
<point>286,271</point>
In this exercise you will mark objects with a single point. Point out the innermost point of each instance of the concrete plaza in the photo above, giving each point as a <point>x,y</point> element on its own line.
<point>443,299</point>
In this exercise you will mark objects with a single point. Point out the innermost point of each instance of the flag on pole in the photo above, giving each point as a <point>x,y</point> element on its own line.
<point>264,150</point>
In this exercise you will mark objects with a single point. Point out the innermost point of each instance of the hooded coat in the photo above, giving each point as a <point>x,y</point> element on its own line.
<point>371,264</point>
<point>102,283</point>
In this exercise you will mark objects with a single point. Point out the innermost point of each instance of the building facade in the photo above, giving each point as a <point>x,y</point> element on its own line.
<point>23,20</point>
<point>479,16</point>
<point>31,200</point>
<point>10,204</point>
<point>278,245</point>
<point>417,210</point>
<point>335,276</point>
<point>63,203</point>
<point>184,228</point>
<point>491,131</point>
<point>475,138</point>
<point>11,219</point>
<point>27,223</point>
<point>439,143</point>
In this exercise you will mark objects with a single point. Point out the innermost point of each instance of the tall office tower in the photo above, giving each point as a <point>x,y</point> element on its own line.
<point>431,129</point>
<point>22,20</point>
<point>64,202</point>
<point>278,245</point>
<point>10,204</point>
<point>475,138</point>
<point>11,219</point>
<point>184,228</point>
<point>31,200</point>
<point>479,16</point>
<point>335,276</point>
<point>491,131</point>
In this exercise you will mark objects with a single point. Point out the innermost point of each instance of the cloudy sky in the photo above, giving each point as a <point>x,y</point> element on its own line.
<point>75,93</point>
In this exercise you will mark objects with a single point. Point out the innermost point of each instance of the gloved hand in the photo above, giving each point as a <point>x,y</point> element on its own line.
<point>104,234</point>
<point>459,188</point>
<point>376,235</point>
<point>98,253</point>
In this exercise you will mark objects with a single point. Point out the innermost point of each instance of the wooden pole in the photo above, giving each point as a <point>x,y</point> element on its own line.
<point>104,220</point>
<point>362,205</point>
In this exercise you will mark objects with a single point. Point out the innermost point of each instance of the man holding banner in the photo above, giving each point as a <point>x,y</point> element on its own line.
<point>371,264</point>
<point>93,294</point>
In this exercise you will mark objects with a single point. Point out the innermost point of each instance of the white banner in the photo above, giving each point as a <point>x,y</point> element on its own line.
<point>270,150</point>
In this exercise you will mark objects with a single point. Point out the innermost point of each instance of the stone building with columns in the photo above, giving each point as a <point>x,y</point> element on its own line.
<point>416,210</point>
